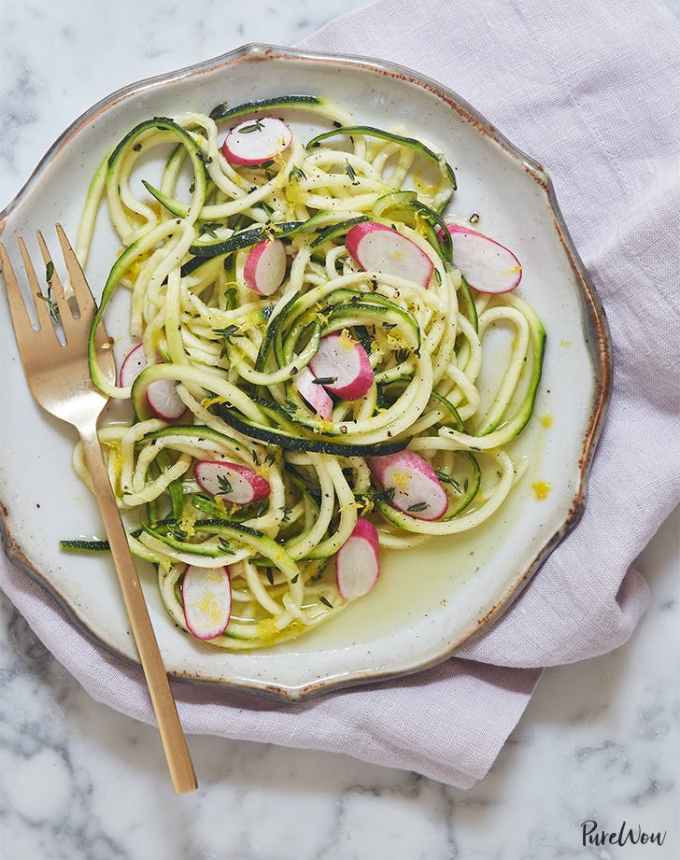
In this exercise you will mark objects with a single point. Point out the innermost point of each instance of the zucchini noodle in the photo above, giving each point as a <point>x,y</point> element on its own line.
<point>232,357</point>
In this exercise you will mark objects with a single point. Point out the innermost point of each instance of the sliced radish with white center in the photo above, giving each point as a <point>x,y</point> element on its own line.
<point>206,593</point>
<point>133,364</point>
<point>232,482</point>
<point>486,265</point>
<point>412,484</point>
<point>255,141</point>
<point>315,394</point>
<point>265,267</point>
<point>342,366</point>
<point>164,400</point>
<point>357,565</point>
<point>377,248</point>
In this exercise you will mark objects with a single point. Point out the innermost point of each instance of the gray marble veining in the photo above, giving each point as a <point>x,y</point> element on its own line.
<point>599,741</point>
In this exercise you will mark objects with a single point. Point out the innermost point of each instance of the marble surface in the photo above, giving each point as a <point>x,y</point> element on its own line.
<point>600,740</point>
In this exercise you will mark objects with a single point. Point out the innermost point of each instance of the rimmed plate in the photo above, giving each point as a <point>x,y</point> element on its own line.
<point>431,599</point>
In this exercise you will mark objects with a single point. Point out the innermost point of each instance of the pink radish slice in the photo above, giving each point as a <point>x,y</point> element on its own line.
<point>486,265</point>
<point>313,393</point>
<point>357,565</point>
<point>232,482</point>
<point>265,267</point>
<point>345,361</point>
<point>133,364</point>
<point>416,488</point>
<point>206,593</point>
<point>377,248</point>
<point>164,401</point>
<point>255,141</point>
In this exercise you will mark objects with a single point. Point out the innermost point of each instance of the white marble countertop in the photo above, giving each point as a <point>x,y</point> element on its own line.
<point>600,740</point>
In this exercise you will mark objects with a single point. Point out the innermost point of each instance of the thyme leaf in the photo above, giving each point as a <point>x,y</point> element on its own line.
<point>210,227</point>
<point>445,478</point>
<point>231,298</point>
<point>258,125</point>
<point>52,306</point>
<point>225,484</point>
<point>229,331</point>
<point>349,170</point>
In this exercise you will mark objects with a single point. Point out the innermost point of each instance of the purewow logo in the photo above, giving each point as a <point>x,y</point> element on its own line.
<point>627,834</point>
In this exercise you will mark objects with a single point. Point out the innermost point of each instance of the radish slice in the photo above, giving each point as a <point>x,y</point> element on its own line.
<point>412,483</point>
<point>265,267</point>
<point>231,482</point>
<point>256,140</point>
<point>343,360</point>
<point>133,364</point>
<point>357,566</point>
<point>377,248</point>
<point>313,393</point>
<point>206,592</point>
<point>486,265</point>
<point>164,401</point>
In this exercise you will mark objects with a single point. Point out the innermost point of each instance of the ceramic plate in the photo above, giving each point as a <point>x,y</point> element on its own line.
<point>430,599</point>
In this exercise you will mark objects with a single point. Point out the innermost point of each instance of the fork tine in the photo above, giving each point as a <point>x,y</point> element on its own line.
<point>55,283</point>
<point>20,319</point>
<point>79,285</point>
<point>41,306</point>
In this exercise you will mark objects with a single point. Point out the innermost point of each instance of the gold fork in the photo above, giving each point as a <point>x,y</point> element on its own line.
<point>59,379</point>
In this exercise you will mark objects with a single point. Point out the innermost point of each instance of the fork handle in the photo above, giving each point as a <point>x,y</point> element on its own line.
<point>172,735</point>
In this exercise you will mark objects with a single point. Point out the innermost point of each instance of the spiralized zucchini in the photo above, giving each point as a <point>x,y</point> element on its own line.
<point>234,356</point>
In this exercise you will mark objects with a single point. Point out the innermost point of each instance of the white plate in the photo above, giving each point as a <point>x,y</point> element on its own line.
<point>430,599</point>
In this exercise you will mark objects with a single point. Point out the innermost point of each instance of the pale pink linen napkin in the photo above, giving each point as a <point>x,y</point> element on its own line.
<point>590,89</point>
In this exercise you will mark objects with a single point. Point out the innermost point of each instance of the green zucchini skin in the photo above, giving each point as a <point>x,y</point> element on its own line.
<point>371,131</point>
<point>94,547</point>
<point>180,545</point>
<point>520,420</point>
<point>227,246</point>
<point>78,545</point>
<point>271,332</point>
<point>155,122</point>
<point>393,200</point>
<point>450,408</point>
<point>244,239</point>
<point>264,545</point>
<point>123,261</point>
<point>196,262</point>
<point>438,234</point>
<point>293,442</point>
<point>221,112</point>
<point>333,231</point>
<point>376,313</point>
<point>195,431</point>
<point>467,304</point>
<point>472,489</point>
<point>171,205</point>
